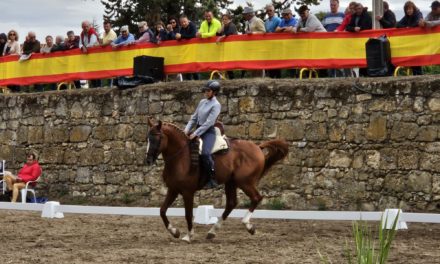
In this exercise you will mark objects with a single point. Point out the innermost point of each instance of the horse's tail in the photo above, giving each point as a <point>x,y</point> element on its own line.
<point>277,150</point>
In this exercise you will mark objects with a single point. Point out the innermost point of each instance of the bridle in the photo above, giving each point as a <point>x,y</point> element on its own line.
<point>156,147</point>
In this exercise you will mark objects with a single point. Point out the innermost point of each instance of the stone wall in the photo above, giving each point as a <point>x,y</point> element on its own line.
<point>364,146</point>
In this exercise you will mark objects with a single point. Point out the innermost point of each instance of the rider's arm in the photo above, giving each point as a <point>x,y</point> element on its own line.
<point>193,121</point>
<point>210,121</point>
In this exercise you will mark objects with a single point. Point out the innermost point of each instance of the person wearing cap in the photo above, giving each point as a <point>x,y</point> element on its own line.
<point>124,39</point>
<point>209,26</point>
<point>203,120</point>
<point>334,18</point>
<point>360,20</point>
<point>288,23</point>
<point>253,24</point>
<point>308,22</point>
<point>433,18</point>
<point>145,34</point>
<point>272,21</point>
<point>388,19</point>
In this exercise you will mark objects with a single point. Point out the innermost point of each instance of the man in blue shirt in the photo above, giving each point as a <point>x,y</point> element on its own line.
<point>288,23</point>
<point>333,19</point>
<point>124,39</point>
<point>272,21</point>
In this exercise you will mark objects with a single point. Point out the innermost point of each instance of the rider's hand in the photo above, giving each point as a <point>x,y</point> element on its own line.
<point>192,136</point>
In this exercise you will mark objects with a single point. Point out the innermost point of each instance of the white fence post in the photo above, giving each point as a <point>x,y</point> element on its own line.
<point>389,216</point>
<point>203,215</point>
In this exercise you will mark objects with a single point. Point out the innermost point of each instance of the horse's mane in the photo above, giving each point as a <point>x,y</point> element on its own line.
<point>176,128</point>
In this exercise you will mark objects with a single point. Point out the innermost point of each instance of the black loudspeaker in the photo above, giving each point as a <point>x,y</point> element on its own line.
<point>378,56</point>
<point>149,66</point>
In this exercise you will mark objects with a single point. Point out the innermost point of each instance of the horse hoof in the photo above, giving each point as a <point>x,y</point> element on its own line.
<point>210,236</point>
<point>176,234</point>
<point>252,230</point>
<point>187,239</point>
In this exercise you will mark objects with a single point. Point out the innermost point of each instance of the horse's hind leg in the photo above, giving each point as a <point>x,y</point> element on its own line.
<point>188,199</point>
<point>169,199</point>
<point>255,198</point>
<point>231,203</point>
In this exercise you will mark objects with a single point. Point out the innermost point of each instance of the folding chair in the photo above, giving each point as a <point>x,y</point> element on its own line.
<point>29,188</point>
<point>2,174</point>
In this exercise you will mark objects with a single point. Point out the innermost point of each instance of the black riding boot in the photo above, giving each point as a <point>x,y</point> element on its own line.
<point>208,167</point>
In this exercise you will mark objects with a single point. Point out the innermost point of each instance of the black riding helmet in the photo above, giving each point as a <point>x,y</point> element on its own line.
<point>212,85</point>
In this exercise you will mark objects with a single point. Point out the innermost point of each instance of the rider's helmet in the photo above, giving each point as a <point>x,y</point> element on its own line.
<point>212,85</point>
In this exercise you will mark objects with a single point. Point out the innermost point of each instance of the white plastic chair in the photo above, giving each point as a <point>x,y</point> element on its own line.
<point>27,189</point>
<point>2,174</point>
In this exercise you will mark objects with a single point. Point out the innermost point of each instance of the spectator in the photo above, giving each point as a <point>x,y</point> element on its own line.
<point>108,35</point>
<point>188,29</point>
<point>288,23</point>
<point>30,172</point>
<point>412,17</point>
<point>145,33</point>
<point>308,22</point>
<point>360,20</point>
<point>272,21</point>
<point>160,32</point>
<point>388,19</point>
<point>228,28</point>
<point>172,28</point>
<point>47,48</point>
<point>333,19</point>
<point>3,41</point>
<point>253,24</point>
<point>88,37</point>
<point>59,44</point>
<point>124,39</point>
<point>209,26</point>
<point>433,18</point>
<point>349,11</point>
<point>31,44</point>
<point>72,41</point>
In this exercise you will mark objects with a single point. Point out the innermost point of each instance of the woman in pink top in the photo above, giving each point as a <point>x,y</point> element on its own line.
<point>30,172</point>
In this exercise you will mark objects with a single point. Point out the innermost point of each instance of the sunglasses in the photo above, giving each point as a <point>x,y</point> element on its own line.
<point>11,34</point>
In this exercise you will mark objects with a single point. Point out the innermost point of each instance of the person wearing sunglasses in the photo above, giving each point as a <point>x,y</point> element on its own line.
<point>12,47</point>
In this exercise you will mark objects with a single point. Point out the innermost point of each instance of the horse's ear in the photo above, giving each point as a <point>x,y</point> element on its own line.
<point>150,121</point>
<point>159,125</point>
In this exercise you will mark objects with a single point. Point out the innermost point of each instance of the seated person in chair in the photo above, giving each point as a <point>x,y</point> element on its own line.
<point>30,172</point>
<point>204,119</point>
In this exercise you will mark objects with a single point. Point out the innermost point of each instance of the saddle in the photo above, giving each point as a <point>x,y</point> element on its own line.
<point>220,142</point>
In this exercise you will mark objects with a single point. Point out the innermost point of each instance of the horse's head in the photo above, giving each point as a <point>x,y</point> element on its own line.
<point>154,141</point>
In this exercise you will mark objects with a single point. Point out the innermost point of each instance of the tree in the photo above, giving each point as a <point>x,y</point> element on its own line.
<point>129,12</point>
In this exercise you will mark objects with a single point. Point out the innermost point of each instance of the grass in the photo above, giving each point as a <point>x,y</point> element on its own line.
<point>366,251</point>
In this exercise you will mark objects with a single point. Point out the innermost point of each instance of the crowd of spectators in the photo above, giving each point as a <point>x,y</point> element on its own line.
<point>355,18</point>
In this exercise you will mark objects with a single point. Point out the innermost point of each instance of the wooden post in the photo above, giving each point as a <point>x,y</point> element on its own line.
<point>377,10</point>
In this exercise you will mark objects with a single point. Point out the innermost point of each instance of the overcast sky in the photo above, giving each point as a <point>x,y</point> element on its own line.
<point>56,17</point>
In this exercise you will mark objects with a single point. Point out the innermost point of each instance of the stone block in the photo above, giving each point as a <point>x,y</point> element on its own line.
<point>80,133</point>
<point>57,134</point>
<point>373,159</point>
<point>91,156</point>
<point>52,155</point>
<point>434,104</point>
<point>408,160</point>
<point>377,129</point>
<point>355,133</point>
<point>291,129</point>
<point>388,159</point>
<point>382,105</point>
<point>317,158</point>
<point>340,158</point>
<point>246,104</point>
<point>256,130</point>
<point>427,134</point>
<point>82,175</point>
<point>103,133</point>
<point>77,110</point>
<point>402,131</point>
<point>123,131</point>
<point>122,157</point>
<point>430,162</point>
<point>317,132</point>
<point>420,182</point>
<point>337,130</point>
<point>8,137</point>
<point>155,108</point>
<point>35,135</point>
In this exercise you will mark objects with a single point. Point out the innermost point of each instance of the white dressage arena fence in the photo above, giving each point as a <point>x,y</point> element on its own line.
<point>207,214</point>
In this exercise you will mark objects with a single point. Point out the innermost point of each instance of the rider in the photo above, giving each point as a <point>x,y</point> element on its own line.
<point>204,118</point>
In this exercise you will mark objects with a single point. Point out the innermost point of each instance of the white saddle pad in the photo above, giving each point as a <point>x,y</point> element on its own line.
<point>220,142</point>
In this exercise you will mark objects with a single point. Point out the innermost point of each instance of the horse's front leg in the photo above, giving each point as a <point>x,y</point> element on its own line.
<point>188,199</point>
<point>169,199</point>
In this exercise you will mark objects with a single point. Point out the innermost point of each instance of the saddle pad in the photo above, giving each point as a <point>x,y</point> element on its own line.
<point>220,142</point>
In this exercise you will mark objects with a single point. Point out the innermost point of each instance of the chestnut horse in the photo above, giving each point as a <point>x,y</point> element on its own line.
<point>241,167</point>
